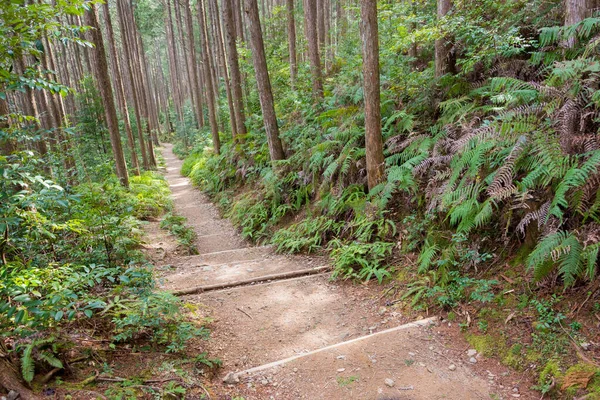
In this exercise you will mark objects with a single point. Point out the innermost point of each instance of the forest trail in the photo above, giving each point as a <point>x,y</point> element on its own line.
<point>258,324</point>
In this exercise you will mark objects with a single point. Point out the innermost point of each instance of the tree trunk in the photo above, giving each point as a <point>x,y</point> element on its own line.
<point>208,80</point>
<point>370,50</point>
<point>101,72</point>
<point>227,81</point>
<point>118,80</point>
<point>173,65</point>
<point>443,45</point>
<point>126,37</point>
<point>292,41</point>
<point>9,381</point>
<point>574,13</point>
<point>234,67</point>
<point>262,80</point>
<point>321,26</point>
<point>310,20</point>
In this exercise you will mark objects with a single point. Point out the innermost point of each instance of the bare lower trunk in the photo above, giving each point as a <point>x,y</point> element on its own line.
<point>101,73</point>
<point>208,79</point>
<point>263,82</point>
<point>9,380</point>
<point>574,13</point>
<point>443,46</point>
<point>370,51</point>
<point>292,41</point>
<point>234,67</point>
<point>310,20</point>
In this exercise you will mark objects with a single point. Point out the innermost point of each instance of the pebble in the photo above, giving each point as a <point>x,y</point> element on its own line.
<point>295,369</point>
<point>341,369</point>
<point>264,382</point>
<point>410,353</point>
<point>341,357</point>
<point>471,353</point>
<point>473,360</point>
<point>452,367</point>
<point>390,382</point>
<point>585,346</point>
<point>231,378</point>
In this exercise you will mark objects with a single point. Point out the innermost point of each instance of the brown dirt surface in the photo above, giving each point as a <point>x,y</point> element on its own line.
<point>263,323</point>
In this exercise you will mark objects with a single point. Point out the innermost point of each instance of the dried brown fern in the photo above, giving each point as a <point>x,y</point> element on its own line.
<point>431,161</point>
<point>398,143</point>
<point>540,215</point>
<point>502,184</point>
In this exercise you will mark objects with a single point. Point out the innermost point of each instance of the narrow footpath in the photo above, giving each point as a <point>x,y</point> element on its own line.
<point>307,337</point>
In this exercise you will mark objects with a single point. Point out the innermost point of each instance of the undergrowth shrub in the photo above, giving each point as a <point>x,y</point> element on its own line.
<point>70,263</point>
<point>186,236</point>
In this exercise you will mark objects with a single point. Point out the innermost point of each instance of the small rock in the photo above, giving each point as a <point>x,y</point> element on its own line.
<point>390,382</point>
<point>410,353</point>
<point>382,310</point>
<point>231,378</point>
<point>452,367</point>
<point>264,382</point>
<point>12,395</point>
<point>471,353</point>
<point>585,346</point>
<point>341,369</point>
<point>516,390</point>
<point>473,360</point>
<point>249,270</point>
<point>341,357</point>
<point>295,369</point>
<point>430,347</point>
<point>421,364</point>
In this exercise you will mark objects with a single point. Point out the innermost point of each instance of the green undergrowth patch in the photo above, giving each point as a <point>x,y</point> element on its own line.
<point>176,225</point>
<point>72,271</point>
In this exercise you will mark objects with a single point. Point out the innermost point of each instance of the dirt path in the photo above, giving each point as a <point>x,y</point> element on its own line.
<point>260,324</point>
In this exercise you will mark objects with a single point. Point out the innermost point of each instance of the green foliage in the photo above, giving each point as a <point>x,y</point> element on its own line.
<point>186,236</point>
<point>360,260</point>
<point>70,255</point>
<point>306,236</point>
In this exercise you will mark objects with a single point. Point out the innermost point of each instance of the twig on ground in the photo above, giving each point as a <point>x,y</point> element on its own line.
<point>242,311</point>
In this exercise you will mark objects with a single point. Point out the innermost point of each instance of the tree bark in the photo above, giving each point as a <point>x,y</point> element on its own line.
<point>118,80</point>
<point>9,381</point>
<point>227,81</point>
<point>574,13</point>
<point>101,72</point>
<point>263,82</point>
<point>370,50</point>
<point>136,103</point>
<point>208,80</point>
<point>310,20</point>
<point>234,67</point>
<point>443,45</point>
<point>291,28</point>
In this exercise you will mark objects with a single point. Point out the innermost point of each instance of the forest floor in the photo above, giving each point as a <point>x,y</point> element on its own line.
<point>313,319</point>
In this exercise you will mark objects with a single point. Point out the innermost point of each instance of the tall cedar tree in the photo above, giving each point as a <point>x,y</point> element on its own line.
<point>444,62</point>
<point>291,28</point>
<point>119,88</point>
<point>130,73</point>
<point>208,79</point>
<point>370,51</point>
<point>234,66</point>
<point>106,92</point>
<point>263,82</point>
<point>310,21</point>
